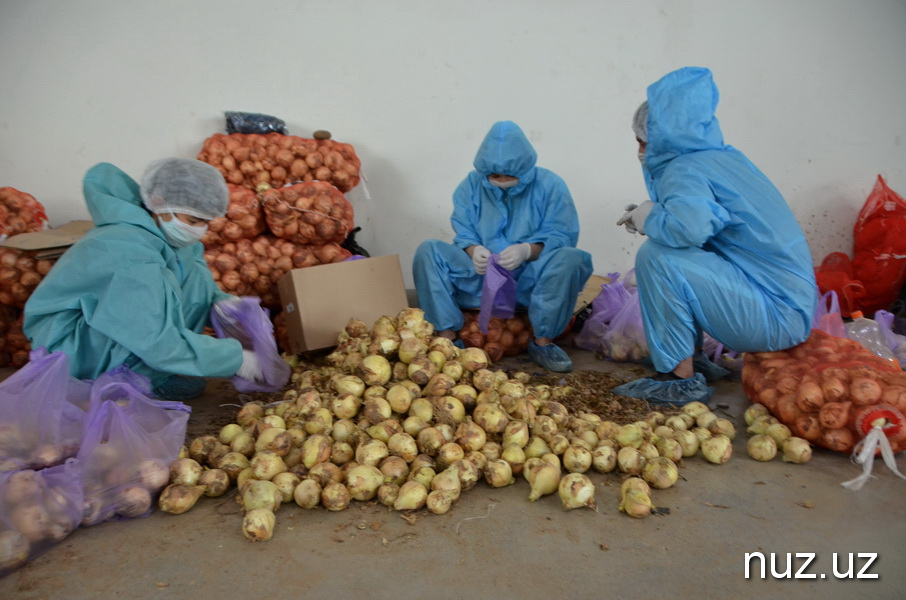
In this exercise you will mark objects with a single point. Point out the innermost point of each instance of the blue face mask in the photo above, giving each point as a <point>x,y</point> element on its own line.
<point>179,234</point>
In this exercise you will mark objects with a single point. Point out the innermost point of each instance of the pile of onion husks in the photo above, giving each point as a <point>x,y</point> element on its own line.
<point>250,159</point>
<point>824,389</point>
<point>406,419</point>
<point>505,337</point>
<point>20,213</point>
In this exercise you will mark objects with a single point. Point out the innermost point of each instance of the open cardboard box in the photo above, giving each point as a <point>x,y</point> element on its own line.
<point>49,243</point>
<point>319,301</point>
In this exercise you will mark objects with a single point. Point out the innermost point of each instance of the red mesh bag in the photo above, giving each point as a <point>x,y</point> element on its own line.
<point>20,213</point>
<point>244,219</point>
<point>879,247</point>
<point>312,212</point>
<point>835,274</point>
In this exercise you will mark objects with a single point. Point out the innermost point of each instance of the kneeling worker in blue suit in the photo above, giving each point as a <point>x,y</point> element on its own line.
<point>724,254</point>
<point>523,213</point>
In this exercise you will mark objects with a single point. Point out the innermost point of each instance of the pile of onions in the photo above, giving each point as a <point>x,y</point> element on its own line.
<point>20,213</point>
<point>404,418</point>
<point>821,389</point>
<point>314,212</point>
<point>505,337</point>
<point>252,267</point>
<point>20,274</point>
<point>250,159</point>
<point>244,219</point>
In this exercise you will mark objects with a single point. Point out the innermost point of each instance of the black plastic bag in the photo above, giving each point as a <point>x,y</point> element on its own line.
<point>243,122</point>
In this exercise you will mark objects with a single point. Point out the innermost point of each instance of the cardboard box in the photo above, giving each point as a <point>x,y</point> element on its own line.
<point>50,243</point>
<point>319,301</point>
<point>590,291</point>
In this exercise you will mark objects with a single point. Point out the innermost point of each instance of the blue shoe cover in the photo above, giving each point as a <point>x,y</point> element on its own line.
<point>712,372</point>
<point>180,388</point>
<point>551,357</point>
<point>677,393</point>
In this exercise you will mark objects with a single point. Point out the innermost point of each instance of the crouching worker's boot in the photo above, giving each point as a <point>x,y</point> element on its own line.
<point>551,357</point>
<point>676,391</point>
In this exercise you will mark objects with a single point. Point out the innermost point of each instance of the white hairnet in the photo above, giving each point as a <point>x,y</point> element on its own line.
<point>640,122</point>
<point>185,185</point>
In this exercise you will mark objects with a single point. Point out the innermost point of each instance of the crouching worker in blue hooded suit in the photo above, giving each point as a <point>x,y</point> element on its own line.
<point>724,252</point>
<point>525,215</point>
<point>136,290</point>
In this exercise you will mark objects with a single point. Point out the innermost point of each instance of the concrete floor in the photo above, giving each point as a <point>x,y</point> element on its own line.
<point>494,543</point>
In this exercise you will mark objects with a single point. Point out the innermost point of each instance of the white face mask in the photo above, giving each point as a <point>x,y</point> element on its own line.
<point>642,157</point>
<point>179,234</point>
<point>504,184</point>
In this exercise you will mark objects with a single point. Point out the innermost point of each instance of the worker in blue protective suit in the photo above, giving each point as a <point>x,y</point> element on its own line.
<point>136,290</point>
<point>523,213</point>
<point>724,252</point>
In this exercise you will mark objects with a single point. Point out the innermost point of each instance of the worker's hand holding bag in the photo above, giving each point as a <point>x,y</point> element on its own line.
<point>498,294</point>
<point>246,321</point>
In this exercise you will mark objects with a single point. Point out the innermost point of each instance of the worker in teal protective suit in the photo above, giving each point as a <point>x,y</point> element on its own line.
<point>136,290</point>
<point>724,254</point>
<point>525,215</point>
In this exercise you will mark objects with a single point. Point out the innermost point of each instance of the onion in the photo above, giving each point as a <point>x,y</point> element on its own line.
<point>449,410</point>
<point>439,501</point>
<point>629,436</point>
<point>315,449</point>
<point>243,443</point>
<point>232,463</point>
<point>517,432</point>
<point>260,494</point>
<point>648,450</point>
<point>349,384</point>
<point>375,370</point>
<point>577,491</point>
<point>762,447</point>
<point>307,493</point>
<point>705,419</point>
<point>345,406</point>
<point>490,417</point>
<point>468,473</point>
<point>717,449</point>
<point>335,496</point>
<point>448,481</point>
<point>400,398</point>
<point>133,501</point>
<point>514,455</point>
<point>577,459</point>
<point>760,424</point>
<point>498,473</point>
<point>395,470</point>
<point>545,480</point>
<point>185,471</point>
<point>484,379</point>
<point>371,452</point>
<point>688,442</point>
<point>249,413</point>
<point>671,448</point>
<point>630,460</point>
<point>636,504</point>
<point>321,421</point>
<point>215,482</point>
<point>403,446</point>
<point>558,443</point>
<point>178,498</point>
<point>423,409</point>
<point>14,550</point>
<point>228,432</point>
<point>796,450</point>
<point>778,432</point>
<point>473,359</point>
<point>753,412</point>
<point>266,464</point>
<point>258,524</point>
<point>604,459</point>
<point>154,474</point>
<point>388,493</point>
<point>429,440</point>
<point>363,482</point>
<point>677,422</point>
<point>722,426</point>
<point>412,496</point>
<point>448,454</point>
<point>274,439</point>
<point>660,472</point>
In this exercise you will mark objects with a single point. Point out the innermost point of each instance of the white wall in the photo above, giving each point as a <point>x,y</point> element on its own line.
<point>812,91</point>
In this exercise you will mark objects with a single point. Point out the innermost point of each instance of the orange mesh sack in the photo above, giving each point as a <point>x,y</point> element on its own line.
<point>244,219</point>
<point>312,212</point>
<point>879,247</point>
<point>20,213</point>
<point>823,388</point>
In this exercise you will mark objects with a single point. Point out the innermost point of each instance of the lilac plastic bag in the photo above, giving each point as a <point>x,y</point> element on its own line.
<point>130,441</point>
<point>37,510</point>
<point>39,425</point>
<point>720,355</point>
<point>604,308</point>
<point>827,316</point>
<point>248,322</point>
<point>896,342</point>
<point>624,340</point>
<point>498,294</point>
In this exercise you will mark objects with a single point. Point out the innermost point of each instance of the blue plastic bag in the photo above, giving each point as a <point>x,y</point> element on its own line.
<point>498,295</point>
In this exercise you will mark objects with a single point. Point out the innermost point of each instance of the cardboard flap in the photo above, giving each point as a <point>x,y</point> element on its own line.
<point>49,241</point>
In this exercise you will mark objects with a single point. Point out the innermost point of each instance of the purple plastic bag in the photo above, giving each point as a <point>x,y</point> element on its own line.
<point>604,308</point>
<point>720,355</point>
<point>39,425</point>
<point>827,316</point>
<point>248,322</point>
<point>624,340</point>
<point>894,341</point>
<point>37,510</point>
<point>130,441</point>
<point>498,295</point>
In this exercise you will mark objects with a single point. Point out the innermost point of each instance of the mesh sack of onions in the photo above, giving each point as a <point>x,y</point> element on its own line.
<point>244,219</point>
<point>312,212</point>
<point>17,345</point>
<point>281,332</point>
<point>20,274</point>
<point>20,213</point>
<point>252,267</point>
<point>251,159</point>
<point>505,337</point>
<point>824,388</point>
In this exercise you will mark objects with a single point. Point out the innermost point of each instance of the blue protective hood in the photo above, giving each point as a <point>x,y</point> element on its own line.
<point>681,117</point>
<point>506,150</point>
<point>113,198</point>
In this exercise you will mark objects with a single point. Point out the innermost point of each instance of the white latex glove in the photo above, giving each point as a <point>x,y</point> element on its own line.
<point>250,369</point>
<point>626,219</point>
<point>636,217</point>
<point>480,257</point>
<point>515,255</point>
